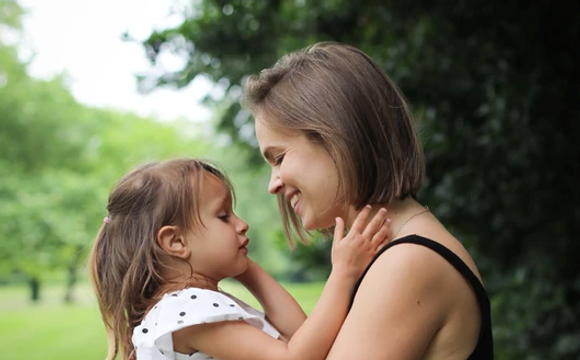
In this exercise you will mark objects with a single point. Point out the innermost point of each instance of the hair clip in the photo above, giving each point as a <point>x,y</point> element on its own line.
<point>106,219</point>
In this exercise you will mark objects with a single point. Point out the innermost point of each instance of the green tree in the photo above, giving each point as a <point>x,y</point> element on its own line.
<point>58,161</point>
<point>493,84</point>
<point>39,132</point>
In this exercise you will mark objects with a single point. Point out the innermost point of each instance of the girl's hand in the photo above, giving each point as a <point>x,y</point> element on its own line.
<point>353,252</point>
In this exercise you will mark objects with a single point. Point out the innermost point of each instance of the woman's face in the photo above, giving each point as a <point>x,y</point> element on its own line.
<point>304,173</point>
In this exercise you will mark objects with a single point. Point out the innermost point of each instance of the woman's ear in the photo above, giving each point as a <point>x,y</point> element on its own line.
<point>173,241</point>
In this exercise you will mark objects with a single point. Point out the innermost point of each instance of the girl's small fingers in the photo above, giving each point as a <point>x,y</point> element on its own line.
<point>339,229</point>
<point>382,236</point>
<point>375,224</point>
<point>382,244</point>
<point>361,220</point>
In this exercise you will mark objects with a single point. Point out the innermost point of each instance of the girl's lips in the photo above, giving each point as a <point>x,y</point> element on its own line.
<point>244,248</point>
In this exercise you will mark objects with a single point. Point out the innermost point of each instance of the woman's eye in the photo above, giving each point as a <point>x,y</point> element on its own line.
<point>278,159</point>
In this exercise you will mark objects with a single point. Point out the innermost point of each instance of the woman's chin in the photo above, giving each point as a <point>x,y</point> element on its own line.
<point>308,224</point>
<point>316,224</point>
<point>310,228</point>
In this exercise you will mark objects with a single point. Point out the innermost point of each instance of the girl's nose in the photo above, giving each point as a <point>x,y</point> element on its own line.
<point>243,227</point>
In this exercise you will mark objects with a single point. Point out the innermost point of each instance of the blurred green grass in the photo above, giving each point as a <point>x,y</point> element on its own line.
<point>54,330</point>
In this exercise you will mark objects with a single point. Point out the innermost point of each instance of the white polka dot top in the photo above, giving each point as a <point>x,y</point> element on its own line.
<point>152,338</point>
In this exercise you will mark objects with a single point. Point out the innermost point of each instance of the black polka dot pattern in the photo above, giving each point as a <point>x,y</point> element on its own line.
<point>186,308</point>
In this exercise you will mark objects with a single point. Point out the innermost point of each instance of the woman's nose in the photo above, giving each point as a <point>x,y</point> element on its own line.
<point>275,184</point>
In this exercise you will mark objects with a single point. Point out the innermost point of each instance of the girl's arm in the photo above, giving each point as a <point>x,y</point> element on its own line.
<point>236,340</point>
<point>280,307</point>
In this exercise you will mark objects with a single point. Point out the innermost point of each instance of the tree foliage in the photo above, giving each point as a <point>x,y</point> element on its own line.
<point>59,160</point>
<point>494,86</point>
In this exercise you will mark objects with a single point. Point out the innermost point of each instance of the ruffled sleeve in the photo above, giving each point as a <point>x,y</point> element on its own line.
<point>189,307</point>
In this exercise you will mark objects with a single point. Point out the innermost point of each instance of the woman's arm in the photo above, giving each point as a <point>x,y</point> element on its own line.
<point>280,307</point>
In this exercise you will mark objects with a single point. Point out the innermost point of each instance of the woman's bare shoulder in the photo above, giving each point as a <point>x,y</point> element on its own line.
<point>411,289</point>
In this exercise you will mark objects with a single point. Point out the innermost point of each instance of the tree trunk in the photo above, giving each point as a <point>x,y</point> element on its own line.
<point>71,279</point>
<point>34,283</point>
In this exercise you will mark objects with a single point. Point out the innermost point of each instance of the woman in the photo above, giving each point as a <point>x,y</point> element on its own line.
<point>338,134</point>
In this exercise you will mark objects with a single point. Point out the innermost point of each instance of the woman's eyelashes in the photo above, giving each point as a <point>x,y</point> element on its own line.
<point>278,159</point>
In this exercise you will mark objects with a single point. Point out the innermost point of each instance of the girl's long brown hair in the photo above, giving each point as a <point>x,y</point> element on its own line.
<point>125,261</point>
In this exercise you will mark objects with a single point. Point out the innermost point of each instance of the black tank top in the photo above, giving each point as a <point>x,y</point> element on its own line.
<point>484,348</point>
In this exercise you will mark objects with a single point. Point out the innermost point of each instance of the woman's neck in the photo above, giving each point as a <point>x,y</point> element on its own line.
<point>399,212</point>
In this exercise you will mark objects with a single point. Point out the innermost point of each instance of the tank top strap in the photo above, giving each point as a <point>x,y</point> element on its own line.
<point>484,347</point>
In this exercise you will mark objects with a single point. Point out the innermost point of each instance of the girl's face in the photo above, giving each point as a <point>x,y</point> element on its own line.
<point>219,246</point>
<point>304,173</point>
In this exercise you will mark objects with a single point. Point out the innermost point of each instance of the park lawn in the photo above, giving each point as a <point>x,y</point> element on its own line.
<point>53,330</point>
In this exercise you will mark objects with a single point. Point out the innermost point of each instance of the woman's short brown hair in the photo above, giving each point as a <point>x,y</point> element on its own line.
<point>339,97</point>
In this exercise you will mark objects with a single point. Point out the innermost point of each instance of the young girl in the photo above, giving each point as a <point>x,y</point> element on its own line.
<point>168,240</point>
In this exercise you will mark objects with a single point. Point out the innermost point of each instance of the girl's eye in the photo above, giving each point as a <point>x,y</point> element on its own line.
<point>224,217</point>
<point>278,159</point>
